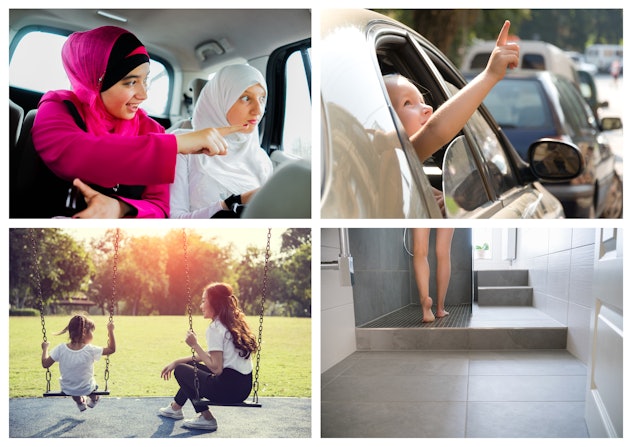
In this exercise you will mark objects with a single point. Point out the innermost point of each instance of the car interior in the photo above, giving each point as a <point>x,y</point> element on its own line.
<point>192,44</point>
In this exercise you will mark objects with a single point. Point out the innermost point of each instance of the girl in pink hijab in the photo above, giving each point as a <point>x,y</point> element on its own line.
<point>119,160</point>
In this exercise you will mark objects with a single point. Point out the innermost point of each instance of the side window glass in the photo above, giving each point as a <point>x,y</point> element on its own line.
<point>297,135</point>
<point>38,49</point>
<point>571,112</point>
<point>533,61</point>
<point>500,173</point>
<point>463,187</point>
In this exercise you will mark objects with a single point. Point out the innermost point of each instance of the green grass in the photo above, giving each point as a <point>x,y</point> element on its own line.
<point>144,345</point>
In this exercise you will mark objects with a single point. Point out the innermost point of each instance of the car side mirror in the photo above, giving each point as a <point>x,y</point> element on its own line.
<point>611,123</point>
<point>555,161</point>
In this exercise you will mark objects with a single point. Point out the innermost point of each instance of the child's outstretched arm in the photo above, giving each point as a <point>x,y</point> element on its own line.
<point>450,118</point>
<point>111,347</point>
<point>47,361</point>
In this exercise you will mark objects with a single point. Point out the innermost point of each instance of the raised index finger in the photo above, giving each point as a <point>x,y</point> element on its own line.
<point>504,34</point>
<point>223,131</point>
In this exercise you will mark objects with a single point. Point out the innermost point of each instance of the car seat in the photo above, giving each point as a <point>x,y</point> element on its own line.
<point>286,195</point>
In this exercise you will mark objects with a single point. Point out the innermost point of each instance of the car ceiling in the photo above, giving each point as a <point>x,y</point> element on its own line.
<point>251,33</point>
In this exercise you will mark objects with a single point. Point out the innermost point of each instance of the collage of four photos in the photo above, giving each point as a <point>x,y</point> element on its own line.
<point>457,174</point>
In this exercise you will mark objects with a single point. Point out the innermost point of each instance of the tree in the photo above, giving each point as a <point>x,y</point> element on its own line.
<point>64,266</point>
<point>297,279</point>
<point>295,237</point>
<point>103,257</point>
<point>207,262</point>
<point>453,30</point>
<point>141,274</point>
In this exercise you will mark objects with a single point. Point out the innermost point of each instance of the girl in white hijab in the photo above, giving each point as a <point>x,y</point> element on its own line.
<point>207,187</point>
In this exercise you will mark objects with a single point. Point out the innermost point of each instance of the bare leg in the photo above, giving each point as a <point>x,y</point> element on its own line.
<point>443,246</point>
<point>422,271</point>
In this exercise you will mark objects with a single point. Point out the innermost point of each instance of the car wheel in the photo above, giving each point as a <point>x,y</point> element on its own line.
<point>614,207</point>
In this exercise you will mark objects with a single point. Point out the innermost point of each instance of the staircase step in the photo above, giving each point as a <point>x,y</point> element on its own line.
<point>505,296</point>
<point>498,278</point>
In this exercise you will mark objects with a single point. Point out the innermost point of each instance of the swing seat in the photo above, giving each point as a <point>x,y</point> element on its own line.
<point>62,394</point>
<point>225,404</point>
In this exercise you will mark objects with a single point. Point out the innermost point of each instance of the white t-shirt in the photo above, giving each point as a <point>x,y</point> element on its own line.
<point>77,368</point>
<point>218,338</point>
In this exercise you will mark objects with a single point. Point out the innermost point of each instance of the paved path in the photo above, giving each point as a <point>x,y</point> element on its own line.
<point>113,417</point>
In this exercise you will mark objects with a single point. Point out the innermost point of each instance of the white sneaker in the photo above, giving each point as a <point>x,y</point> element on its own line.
<point>171,413</point>
<point>201,423</point>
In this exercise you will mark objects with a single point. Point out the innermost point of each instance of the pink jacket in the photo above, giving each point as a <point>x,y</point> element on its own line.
<point>107,160</point>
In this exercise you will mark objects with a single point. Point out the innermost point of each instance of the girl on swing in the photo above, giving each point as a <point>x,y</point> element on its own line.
<point>225,371</point>
<point>76,360</point>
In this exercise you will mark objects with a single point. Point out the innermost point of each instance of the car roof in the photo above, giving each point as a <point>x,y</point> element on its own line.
<point>174,34</point>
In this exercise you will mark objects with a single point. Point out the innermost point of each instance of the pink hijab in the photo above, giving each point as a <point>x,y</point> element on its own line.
<point>85,56</point>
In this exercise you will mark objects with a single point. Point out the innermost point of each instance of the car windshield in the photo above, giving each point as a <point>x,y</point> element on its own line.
<point>527,107</point>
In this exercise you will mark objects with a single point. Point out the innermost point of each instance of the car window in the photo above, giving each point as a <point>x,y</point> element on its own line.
<point>574,108</point>
<point>479,61</point>
<point>297,123</point>
<point>37,48</point>
<point>533,61</point>
<point>528,108</point>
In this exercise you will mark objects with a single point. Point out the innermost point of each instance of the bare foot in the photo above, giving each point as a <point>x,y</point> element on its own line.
<point>426,310</point>
<point>441,313</point>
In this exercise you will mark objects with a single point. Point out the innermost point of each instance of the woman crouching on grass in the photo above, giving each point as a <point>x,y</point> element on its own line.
<point>225,371</point>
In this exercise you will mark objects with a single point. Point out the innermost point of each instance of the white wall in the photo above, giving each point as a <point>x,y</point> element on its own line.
<point>337,315</point>
<point>561,264</point>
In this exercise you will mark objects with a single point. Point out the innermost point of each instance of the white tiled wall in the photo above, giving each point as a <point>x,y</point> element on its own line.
<point>560,263</point>
<point>337,315</point>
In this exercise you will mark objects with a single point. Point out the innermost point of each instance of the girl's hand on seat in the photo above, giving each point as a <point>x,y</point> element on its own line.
<point>100,206</point>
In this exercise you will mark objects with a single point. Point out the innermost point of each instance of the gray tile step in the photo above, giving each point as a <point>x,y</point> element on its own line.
<point>497,278</point>
<point>480,328</point>
<point>482,338</point>
<point>505,296</point>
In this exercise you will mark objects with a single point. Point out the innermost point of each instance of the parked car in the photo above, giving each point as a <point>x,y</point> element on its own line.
<point>534,55</point>
<point>581,63</point>
<point>532,105</point>
<point>369,168</point>
<point>186,47</point>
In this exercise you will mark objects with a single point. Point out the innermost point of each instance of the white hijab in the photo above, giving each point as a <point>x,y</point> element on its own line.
<point>246,165</point>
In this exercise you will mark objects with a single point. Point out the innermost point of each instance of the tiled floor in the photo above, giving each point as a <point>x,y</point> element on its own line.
<point>455,394</point>
<point>461,317</point>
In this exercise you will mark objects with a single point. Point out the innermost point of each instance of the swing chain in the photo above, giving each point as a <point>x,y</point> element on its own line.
<point>106,373</point>
<point>40,295</point>
<point>255,384</point>
<point>187,282</point>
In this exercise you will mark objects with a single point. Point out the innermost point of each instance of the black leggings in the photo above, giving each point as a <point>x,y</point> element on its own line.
<point>229,387</point>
